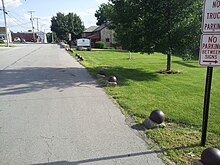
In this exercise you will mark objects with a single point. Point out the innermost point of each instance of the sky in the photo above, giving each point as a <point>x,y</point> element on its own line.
<point>18,17</point>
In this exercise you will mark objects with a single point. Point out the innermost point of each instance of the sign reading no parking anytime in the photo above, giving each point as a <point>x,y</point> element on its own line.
<point>210,50</point>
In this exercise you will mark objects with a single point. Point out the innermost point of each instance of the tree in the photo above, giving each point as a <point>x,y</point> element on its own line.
<point>63,25</point>
<point>104,13</point>
<point>75,26</point>
<point>59,26</point>
<point>169,26</point>
<point>51,37</point>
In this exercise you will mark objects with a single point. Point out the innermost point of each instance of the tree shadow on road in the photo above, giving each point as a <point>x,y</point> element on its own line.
<point>33,79</point>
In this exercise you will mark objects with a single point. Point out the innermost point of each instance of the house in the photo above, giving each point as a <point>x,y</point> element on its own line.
<point>99,33</point>
<point>27,36</point>
<point>3,34</point>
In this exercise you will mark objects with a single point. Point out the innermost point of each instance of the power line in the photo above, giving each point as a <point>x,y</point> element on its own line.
<point>21,25</point>
<point>18,19</point>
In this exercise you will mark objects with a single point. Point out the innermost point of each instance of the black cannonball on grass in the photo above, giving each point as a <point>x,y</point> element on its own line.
<point>157,116</point>
<point>81,58</point>
<point>112,79</point>
<point>211,156</point>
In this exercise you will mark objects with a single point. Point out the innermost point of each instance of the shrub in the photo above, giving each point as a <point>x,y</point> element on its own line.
<point>100,45</point>
<point>2,42</point>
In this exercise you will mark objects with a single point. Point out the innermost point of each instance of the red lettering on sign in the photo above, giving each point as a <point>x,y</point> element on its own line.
<point>210,56</point>
<point>216,4</point>
<point>204,51</point>
<point>211,26</point>
<point>213,15</point>
<point>212,39</point>
<point>210,46</point>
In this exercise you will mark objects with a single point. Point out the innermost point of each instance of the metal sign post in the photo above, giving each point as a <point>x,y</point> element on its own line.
<point>209,52</point>
<point>206,104</point>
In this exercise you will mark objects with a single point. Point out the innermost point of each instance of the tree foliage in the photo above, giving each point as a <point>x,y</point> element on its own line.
<point>167,26</point>
<point>63,25</point>
<point>104,13</point>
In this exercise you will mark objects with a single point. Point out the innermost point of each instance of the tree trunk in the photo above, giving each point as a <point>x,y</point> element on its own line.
<point>168,61</point>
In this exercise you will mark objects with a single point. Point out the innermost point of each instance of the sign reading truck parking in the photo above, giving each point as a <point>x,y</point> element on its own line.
<point>210,50</point>
<point>211,16</point>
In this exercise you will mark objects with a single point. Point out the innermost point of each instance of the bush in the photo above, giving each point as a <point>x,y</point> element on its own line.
<point>100,45</point>
<point>2,42</point>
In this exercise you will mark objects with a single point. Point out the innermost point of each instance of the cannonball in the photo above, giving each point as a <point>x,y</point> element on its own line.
<point>211,156</point>
<point>81,58</point>
<point>112,79</point>
<point>157,116</point>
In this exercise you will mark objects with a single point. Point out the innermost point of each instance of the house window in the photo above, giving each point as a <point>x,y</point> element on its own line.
<point>107,40</point>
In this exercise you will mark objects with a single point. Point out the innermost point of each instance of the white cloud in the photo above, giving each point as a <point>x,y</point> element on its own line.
<point>11,4</point>
<point>45,23</point>
<point>88,17</point>
<point>101,1</point>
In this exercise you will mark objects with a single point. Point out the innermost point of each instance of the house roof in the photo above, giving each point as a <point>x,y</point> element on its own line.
<point>100,28</point>
<point>90,29</point>
<point>94,28</point>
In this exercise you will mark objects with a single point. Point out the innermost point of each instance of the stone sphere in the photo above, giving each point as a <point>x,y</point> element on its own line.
<point>81,58</point>
<point>157,116</point>
<point>112,79</point>
<point>211,156</point>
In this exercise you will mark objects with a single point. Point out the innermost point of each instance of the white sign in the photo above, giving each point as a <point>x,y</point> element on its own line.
<point>211,16</point>
<point>210,50</point>
<point>83,42</point>
<point>69,36</point>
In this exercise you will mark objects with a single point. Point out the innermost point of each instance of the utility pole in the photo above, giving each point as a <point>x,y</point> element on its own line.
<point>6,28</point>
<point>32,22</point>
<point>37,24</point>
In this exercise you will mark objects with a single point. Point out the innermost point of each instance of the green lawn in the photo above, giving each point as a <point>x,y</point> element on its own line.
<point>180,96</point>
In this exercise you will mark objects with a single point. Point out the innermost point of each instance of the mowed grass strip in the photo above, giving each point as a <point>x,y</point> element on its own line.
<point>180,96</point>
<point>142,90</point>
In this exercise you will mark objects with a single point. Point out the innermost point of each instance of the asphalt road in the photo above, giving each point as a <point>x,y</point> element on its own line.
<point>52,112</point>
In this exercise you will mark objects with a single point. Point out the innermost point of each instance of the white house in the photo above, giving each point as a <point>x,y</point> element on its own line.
<point>3,34</point>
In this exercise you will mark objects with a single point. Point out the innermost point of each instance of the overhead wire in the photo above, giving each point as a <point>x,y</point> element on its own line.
<point>22,23</point>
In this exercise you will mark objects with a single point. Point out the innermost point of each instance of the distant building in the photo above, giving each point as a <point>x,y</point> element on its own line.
<point>27,36</point>
<point>3,34</point>
<point>42,37</point>
<point>99,33</point>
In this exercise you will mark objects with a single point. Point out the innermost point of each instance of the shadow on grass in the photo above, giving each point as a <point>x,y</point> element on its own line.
<point>125,74</point>
<point>185,64</point>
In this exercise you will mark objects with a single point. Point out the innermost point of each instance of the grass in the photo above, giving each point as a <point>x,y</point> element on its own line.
<point>180,96</point>
<point>4,45</point>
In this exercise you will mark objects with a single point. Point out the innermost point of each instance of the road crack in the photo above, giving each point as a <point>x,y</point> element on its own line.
<point>49,142</point>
